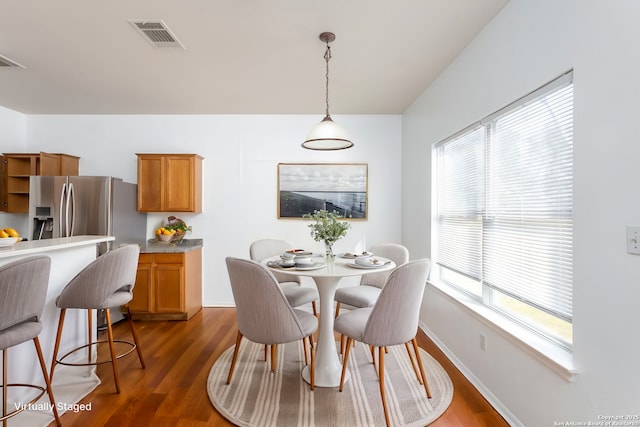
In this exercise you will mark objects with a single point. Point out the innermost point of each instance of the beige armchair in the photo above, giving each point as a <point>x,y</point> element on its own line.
<point>367,293</point>
<point>264,313</point>
<point>391,321</point>
<point>296,294</point>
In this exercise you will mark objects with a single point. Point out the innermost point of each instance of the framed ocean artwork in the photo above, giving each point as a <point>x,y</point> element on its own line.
<point>336,187</point>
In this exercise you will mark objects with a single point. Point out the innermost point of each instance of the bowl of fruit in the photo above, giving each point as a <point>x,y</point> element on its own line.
<point>172,230</point>
<point>8,237</point>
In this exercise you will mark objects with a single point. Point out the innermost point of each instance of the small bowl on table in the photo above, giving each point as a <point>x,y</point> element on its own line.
<point>304,261</point>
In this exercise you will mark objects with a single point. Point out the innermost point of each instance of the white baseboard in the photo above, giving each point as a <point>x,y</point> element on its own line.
<point>484,391</point>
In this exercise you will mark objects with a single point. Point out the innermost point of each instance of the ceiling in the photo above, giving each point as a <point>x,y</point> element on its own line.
<point>239,56</point>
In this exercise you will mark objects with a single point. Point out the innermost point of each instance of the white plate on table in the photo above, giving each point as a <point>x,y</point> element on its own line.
<point>368,267</point>
<point>7,241</point>
<point>280,264</point>
<point>354,256</point>
<point>314,266</point>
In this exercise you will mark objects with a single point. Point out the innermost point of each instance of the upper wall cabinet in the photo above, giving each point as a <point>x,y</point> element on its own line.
<point>18,167</point>
<point>169,183</point>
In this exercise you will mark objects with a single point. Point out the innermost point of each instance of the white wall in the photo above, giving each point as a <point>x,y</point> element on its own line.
<point>240,173</point>
<point>13,139</point>
<point>526,45</point>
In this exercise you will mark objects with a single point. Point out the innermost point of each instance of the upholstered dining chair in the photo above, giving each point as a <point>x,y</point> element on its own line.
<point>296,294</point>
<point>23,291</point>
<point>107,281</point>
<point>367,293</point>
<point>264,314</point>
<point>391,321</point>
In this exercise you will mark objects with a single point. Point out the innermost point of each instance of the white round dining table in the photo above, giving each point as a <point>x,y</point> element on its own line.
<point>328,368</point>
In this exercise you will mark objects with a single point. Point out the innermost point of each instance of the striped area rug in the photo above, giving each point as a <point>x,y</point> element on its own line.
<point>257,397</point>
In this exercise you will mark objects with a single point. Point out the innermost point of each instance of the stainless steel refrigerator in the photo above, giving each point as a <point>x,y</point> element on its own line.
<point>65,206</point>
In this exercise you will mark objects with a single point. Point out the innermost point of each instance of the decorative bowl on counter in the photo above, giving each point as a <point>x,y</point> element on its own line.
<point>8,241</point>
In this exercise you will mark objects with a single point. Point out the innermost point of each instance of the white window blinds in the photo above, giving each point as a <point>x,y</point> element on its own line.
<point>527,237</point>
<point>504,200</point>
<point>460,198</point>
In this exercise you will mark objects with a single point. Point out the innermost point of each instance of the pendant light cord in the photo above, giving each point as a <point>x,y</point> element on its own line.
<point>327,57</point>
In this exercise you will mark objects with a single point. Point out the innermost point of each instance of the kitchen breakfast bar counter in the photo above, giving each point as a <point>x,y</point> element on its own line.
<point>70,384</point>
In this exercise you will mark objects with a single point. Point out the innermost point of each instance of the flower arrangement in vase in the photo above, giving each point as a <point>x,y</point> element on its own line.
<point>327,228</point>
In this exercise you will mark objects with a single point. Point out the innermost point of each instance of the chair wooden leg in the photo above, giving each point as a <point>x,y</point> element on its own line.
<point>56,346</point>
<point>89,333</point>
<point>135,338</point>
<point>424,377</point>
<point>274,355</point>
<point>47,382</point>
<point>315,310</point>
<point>344,362</point>
<point>342,341</point>
<point>112,350</point>
<point>381,381</point>
<point>304,349</point>
<point>312,369</point>
<point>337,308</point>
<point>373,356</point>
<point>413,363</point>
<point>266,350</point>
<point>235,357</point>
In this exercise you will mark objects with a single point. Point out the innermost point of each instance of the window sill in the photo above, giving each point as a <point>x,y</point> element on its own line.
<point>557,359</point>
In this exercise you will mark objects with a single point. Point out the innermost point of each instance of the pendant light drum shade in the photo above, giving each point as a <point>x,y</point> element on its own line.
<point>327,135</point>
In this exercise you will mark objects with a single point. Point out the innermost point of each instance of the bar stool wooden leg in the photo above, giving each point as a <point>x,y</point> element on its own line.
<point>89,333</point>
<point>135,338</point>
<point>56,347</point>
<point>112,349</point>
<point>4,385</point>
<point>47,382</point>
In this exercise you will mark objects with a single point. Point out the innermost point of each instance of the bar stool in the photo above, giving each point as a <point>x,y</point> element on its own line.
<point>23,291</point>
<point>106,282</point>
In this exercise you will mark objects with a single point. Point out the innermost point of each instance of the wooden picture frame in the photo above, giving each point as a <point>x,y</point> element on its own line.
<point>306,187</point>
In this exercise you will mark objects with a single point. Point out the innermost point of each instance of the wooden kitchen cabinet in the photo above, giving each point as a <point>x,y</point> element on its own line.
<point>168,286</point>
<point>169,183</point>
<point>17,168</point>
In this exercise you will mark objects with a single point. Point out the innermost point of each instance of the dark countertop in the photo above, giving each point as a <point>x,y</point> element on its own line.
<point>185,245</point>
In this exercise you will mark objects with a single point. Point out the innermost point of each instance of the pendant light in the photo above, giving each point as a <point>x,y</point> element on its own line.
<point>327,135</point>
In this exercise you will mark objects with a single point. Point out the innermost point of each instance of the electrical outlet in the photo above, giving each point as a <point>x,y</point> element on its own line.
<point>483,342</point>
<point>633,240</point>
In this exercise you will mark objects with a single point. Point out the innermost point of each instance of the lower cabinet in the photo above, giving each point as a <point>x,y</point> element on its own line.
<point>168,286</point>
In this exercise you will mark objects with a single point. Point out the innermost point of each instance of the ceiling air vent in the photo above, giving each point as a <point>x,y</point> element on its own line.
<point>6,62</point>
<point>157,33</point>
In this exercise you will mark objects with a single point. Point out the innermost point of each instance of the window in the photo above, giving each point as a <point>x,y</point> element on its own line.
<point>503,214</point>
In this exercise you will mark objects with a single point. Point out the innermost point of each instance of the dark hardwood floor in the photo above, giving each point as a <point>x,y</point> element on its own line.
<point>171,391</point>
